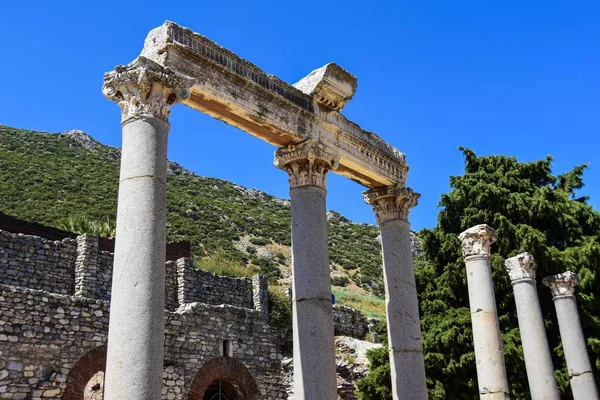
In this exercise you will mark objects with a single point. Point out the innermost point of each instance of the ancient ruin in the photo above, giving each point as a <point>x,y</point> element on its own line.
<point>304,122</point>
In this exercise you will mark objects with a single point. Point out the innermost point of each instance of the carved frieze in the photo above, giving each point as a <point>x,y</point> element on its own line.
<point>477,241</point>
<point>392,202</point>
<point>145,88</point>
<point>562,284</point>
<point>520,267</point>
<point>307,163</point>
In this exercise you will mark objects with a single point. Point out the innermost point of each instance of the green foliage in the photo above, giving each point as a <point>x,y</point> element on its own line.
<point>46,177</point>
<point>340,281</point>
<point>378,383</point>
<point>221,263</point>
<point>533,211</point>
<point>280,312</point>
<point>368,305</point>
<point>82,224</point>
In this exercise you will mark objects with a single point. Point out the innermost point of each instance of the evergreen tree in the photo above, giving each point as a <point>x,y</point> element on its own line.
<point>531,210</point>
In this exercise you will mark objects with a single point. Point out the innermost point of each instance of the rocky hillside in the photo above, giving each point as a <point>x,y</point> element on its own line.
<point>46,178</point>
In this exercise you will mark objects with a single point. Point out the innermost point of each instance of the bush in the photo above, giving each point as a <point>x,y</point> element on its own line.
<point>221,263</point>
<point>259,241</point>
<point>81,224</point>
<point>280,313</point>
<point>340,281</point>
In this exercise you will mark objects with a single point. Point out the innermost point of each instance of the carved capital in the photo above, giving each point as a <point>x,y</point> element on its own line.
<point>477,241</point>
<point>562,285</point>
<point>520,267</point>
<point>307,163</point>
<point>392,202</point>
<point>144,88</point>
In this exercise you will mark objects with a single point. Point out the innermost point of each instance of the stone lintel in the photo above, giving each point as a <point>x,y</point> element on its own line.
<point>520,267</point>
<point>331,86</point>
<point>392,202</point>
<point>239,93</point>
<point>562,285</point>
<point>477,240</point>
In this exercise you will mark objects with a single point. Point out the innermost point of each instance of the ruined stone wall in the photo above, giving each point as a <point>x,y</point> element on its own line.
<point>37,263</point>
<point>204,287</point>
<point>351,322</point>
<point>52,345</point>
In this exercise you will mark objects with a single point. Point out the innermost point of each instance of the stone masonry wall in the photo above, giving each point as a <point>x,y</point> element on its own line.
<point>37,263</point>
<point>51,345</point>
<point>204,287</point>
<point>350,322</point>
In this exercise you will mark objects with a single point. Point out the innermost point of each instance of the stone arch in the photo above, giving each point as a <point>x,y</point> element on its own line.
<point>226,368</point>
<point>89,365</point>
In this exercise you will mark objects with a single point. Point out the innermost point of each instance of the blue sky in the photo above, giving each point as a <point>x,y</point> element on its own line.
<point>512,77</point>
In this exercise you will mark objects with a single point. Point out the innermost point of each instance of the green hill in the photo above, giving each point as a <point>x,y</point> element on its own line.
<point>47,177</point>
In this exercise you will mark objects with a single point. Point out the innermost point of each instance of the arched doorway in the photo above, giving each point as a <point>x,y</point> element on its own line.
<point>223,378</point>
<point>86,379</point>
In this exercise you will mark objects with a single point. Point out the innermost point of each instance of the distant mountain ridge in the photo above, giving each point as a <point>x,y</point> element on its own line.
<point>47,177</point>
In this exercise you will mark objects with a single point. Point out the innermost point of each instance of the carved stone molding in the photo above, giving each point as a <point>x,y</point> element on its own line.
<point>144,88</point>
<point>307,163</point>
<point>520,267</point>
<point>477,241</point>
<point>392,202</point>
<point>331,86</point>
<point>562,285</point>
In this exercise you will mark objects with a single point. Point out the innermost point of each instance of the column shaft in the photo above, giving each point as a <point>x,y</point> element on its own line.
<point>314,348</point>
<point>136,330</point>
<point>583,384</point>
<point>538,362</point>
<point>407,365</point>
<point>491,372</point>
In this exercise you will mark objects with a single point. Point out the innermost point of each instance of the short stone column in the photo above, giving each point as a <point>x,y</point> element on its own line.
<point>491,371</point>
<point>86,266</point>
<point>563,286</point>
<point>314,354</point>
<point>538,361</point>
<point>407,365</point>
<point>145,92</point>
<point>260,295</point>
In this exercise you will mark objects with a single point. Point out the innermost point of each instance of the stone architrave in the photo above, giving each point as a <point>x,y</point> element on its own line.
<point>582,380</point>
<point>391,206</point>
<point>145,92</point>
<point>313,332</point>
<point>538,361</point>
<point>491,370</point>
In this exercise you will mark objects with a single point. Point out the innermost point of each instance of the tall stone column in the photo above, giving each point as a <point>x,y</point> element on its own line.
<point>145,92</point>
<point>314,354</point>
<point>563,286</point>
<point>491,371</point>
<point>538,362</point>
<point>407,365</point>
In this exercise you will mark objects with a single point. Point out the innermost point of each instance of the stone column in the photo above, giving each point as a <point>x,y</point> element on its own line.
<point>563,286</point>
<point>145,92</point>
<point>314,354</point>
<point>538,362</point>
<point>491,371</point>
<point>407,365</point>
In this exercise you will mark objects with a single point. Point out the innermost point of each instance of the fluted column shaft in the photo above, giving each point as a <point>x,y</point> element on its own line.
<point>145,92</point>
<point>538,361</point>
<point>313,330</point>
<point>582,380</point>
<point>487,341</point>
<point>407,365</point>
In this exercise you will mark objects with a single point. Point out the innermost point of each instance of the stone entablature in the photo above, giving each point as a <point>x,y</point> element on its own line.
<point>241,94</point>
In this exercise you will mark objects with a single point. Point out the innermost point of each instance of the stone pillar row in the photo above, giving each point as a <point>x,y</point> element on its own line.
<point>491,370</point>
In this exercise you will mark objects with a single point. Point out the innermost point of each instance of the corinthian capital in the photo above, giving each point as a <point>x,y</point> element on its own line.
<point>307,163</point>
<point>476,241</point>
<point>562,285</point>
<point>144,88</point>
<point>520,267</point>
<point>392,202</point>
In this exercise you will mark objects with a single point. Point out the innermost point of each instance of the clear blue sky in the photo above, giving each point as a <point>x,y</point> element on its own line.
<point>501,77</point>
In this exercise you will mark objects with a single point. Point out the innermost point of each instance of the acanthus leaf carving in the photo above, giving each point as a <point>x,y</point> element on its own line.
<point>477,241</point>
<point>145,88</point>
<point>392,202</point>
<point>307,163</point>
<point>520,267</point>
<point>562,285</point>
